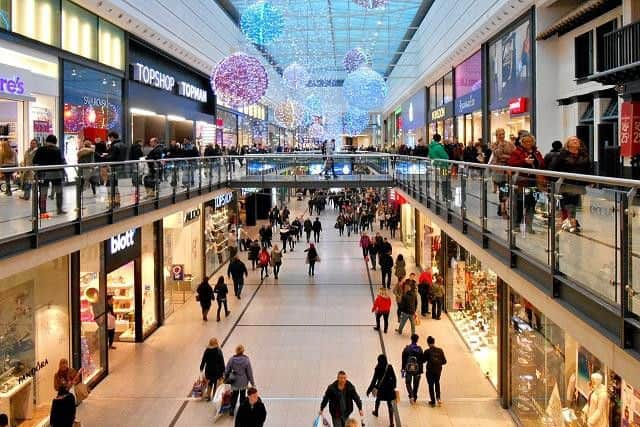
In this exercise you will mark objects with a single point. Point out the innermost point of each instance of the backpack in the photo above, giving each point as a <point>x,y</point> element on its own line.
<point>413,367</point>
<point>264,258</point>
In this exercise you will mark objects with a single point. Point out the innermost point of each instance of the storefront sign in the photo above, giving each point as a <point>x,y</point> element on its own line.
<point>177,272</point>
<point>468,84</point>
<point>630,129</point>
<point>415,108</point>
<point>122,248</point>
<point>95,101</point>
<point>190,91</point>
<point>191,216</point>
<point>160,80</point>
<point>469,103</point>
<point>13,86</point>
<point>33,371</point>
<point>438,113</point>
<point>518,105</point>
<point>223,199</point>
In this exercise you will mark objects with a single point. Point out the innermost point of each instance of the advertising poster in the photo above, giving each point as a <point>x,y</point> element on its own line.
<point>587,365</point>
<point>630,406</point>
<point>469,85</point>
<point>510,66</point>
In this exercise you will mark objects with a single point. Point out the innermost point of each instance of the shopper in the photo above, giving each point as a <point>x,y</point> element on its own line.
<point>111,322</point>
<point>424,289</point>
<point>435,360</point>
<point>254,251</point>
<point>237,271</point>
<point>340,396</point>
<point>393,225</point>
<point>28,175</point>
<point>284,237</point>
<point>65,377</point>
<point>437,295</point>
<point>86,154</point>
<point>205,296</point>
<point>386,246</point>
<point>251,412</point>
<point>4,420</point>
<point>381,308</point>
<point>276,260</point>
<point>501,153</point>
<point>63,409</point>
<point>400,268</point>
<point>556,148</point>
<point>8,159</point>
<point>312,258</point>
<point>365,242</point>
<point>526,155</point>
<point>340,225</point>
<point>412,367</point>
<point>239,375</point>
<point>155,169</point>
<point>383,386</point>
<point>317,228</point>
<point>386,264</point>
<point>221,290</point>
<point>49,155</point>
<point>212,367</point>
<point>264,259</point>
<point>308,227</point>
<point>408,305</point>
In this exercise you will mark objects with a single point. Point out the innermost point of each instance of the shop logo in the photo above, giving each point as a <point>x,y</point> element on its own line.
<point>438,113</point>
<point>518,105</point>
<point>94,101</point>
<point>222,199</point>
<point>152,77</point>
<point>192,215</point>
<point>123,241</point>
<point>33,371</point>
<point>190,91</point>
<point>411,112</point>
<point>13,86</point>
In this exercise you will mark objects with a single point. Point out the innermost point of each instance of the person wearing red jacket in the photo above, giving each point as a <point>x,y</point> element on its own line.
<point>382,307</point>
<point>365,242</point>
<point>526,155</point>
<point>424,288</point>
<point>264,259</point>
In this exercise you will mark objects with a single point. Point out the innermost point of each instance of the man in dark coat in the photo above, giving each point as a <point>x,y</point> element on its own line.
<point>386,264</point>
<point>435,359</point>
<point>308,226</point>
<point>237,271</point>
<point>340,396</point>
<point>317,228</point>
<point>251,412</point>
<point>205,296</point>
<point>49,155</point>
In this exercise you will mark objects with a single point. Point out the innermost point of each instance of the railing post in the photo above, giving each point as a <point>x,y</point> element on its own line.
<point>79,187</point>
<point>484,200</point>
<point>463,195</point>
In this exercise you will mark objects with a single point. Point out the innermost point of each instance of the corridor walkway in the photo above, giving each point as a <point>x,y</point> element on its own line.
<point>298,332</point>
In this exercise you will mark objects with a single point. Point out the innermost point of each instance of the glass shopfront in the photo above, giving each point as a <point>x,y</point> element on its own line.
<point>468,105</point>
<point>510,72</point>
<point>441,108</point>
<point>471,300</point>
<point>227,128</point>
<point>93,320</point>
<point>219,233</point>
<point>555,381</point>
<point>428,244</point>
<point>407,225</point>
<point>182,241</point>
<point>34,336</point>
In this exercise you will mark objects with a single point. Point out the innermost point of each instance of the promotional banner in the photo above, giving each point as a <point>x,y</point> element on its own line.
<point>630,129</point>
<point>414,111</point>
<point>468,85</point>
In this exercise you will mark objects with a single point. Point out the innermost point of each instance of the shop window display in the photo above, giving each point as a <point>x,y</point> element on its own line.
<point>555,381</point>
<point>148,266</point>
<point>217,232</point>
<point>34,336</point>
<point>92,315</point>
<point>472,305</point>
<point>120,286</point>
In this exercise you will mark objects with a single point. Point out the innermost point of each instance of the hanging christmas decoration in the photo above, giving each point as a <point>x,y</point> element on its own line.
<point>262,23</point>
<point>307,118</point>
<point>355,121</point>
<point>295,76</point>
<point>289,113</point>
<point>371,4</point>
<point>315,131</point>
<point>313,104</point>
<point>365,89</point>
<point>240,79</point>
<point>355,58</point>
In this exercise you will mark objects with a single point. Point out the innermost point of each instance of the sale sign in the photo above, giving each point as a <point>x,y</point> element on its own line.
<point>630,129</point>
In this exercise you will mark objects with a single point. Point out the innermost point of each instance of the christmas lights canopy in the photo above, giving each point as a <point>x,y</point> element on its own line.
<point>313,104</point>
<point>365,89</point>
<point>295,76</point>
<point>316,131</point>
<point>355,121</point>
<point>371,4</point>
<point>355,58</point>
<point>262,23</point>
<point>240,79</point>
<point>289,113</point>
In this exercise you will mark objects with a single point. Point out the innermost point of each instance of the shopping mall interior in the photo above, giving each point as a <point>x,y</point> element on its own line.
<point>219,211</point>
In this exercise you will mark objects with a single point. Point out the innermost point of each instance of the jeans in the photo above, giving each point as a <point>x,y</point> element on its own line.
<point>276,269</point>
<point>312,267</point>
<point>341,230</point>
<point>413,384</point>
<point>264,271</point>
<point>316,236</point>
<point>433,378</point>
<point>234,398</point>
<point>308,235</point>
<point>226,309</point>
<point>424,299</point>
<point>403,320</point>
<point>393,233</point>
<point>386,274</point>
<point>238,283</point>
<point>44,189</point>
<point>365,252</point>
<point>111,334</point>
<point>385,317</point>
<point>372,256</point>
<point>436,310</point>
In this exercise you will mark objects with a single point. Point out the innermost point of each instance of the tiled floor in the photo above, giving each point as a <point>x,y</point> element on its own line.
<point>298,332</point>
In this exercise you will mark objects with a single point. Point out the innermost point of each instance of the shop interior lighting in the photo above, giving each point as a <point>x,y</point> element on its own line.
<point>141,112</point>
<point>174,118</point>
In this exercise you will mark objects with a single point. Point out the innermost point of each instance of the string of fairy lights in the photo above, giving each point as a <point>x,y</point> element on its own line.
<point>310,103</point>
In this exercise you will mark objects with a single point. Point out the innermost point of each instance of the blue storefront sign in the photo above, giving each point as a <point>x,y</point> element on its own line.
<point>469,103</point>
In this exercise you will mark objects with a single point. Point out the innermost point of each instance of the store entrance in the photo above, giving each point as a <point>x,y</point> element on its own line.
<point>121,292</point>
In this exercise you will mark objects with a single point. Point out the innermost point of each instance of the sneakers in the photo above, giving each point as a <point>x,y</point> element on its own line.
<point>439,402</point>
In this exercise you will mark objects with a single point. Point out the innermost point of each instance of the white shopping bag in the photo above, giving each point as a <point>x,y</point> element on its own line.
<point>321,421</point>
<point>221,401</point>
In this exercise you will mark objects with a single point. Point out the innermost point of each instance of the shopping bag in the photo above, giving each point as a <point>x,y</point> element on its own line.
<point>198,387</point>
<point>221,401</point>
<point>321,421</point>
<point>81,391</point>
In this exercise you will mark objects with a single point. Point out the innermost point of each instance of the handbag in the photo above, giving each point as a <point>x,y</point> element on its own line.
<point>81,391</point>
<point>230,378</point>
<point>318,259</point>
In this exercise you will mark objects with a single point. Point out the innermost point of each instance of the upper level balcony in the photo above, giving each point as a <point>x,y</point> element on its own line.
<point>620,56</point>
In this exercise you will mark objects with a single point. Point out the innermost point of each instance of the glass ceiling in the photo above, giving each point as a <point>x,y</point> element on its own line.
<point>319,32</point>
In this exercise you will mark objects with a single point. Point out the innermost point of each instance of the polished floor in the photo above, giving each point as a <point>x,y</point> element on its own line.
<point>298,331</point>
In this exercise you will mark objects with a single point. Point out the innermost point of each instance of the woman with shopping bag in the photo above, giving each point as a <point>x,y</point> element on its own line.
<point>238,375</point>
<point>212,367</point>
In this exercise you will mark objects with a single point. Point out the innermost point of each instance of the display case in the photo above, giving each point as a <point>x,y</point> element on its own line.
<point>120,285</point>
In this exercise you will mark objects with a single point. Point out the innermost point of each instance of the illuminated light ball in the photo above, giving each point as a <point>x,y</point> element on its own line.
<point>262,23</point>
<point>307,118</point>
<point>289,113</point>
<point>355,121</point>
<point>295,76</point>
<point>240,79</point>
<point>313,104</point>
<point>316,131</point>
<point>365,89</point>
<point>354,59</point>
<point>371,4</point>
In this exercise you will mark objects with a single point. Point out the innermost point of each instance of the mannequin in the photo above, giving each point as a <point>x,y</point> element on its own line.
<point>595,411</point>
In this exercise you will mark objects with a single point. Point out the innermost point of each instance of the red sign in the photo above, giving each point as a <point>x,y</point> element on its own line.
<point>630,129</point>
<point>518,105</point>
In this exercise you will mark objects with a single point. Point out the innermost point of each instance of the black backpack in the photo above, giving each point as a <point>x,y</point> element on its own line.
<point>413,367</point>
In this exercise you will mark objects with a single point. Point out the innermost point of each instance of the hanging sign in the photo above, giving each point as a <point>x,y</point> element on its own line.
<point>630,129</point>
<point>177,272</point>
<point>518,105</point>
<point>438,113</point>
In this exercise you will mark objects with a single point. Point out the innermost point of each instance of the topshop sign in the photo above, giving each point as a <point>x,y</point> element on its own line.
<point>223,199</point>
<point>155,78</point>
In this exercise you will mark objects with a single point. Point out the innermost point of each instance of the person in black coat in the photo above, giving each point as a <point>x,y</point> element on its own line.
<point>384,382</point>
<point>48,155</point>
<point>386,264</point>
<point>251,412</point>
<point>154,168</point>
<point>317,228</point>
<point>205,296</point>
<point>341,388</point>
<point>308,227</point>
<point>237,271</point>
<point>63,409</point>
<point>212,366</point>
<point>221,290</point>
